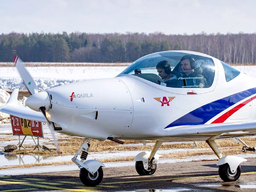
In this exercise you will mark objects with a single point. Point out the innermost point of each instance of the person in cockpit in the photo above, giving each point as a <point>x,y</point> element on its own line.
<point>192,75</point>
<point>164,71</point>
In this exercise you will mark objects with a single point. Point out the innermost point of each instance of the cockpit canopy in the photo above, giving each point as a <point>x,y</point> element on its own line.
<point>177,69</point>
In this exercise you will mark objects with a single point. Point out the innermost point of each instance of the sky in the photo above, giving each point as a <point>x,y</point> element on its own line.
<point>128,16</point>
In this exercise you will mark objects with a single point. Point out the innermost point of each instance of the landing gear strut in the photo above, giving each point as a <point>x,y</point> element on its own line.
<point>246,147</point>
<point>91,173</point>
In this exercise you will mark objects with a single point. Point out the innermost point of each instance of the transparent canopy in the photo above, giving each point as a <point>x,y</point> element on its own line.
<point>175,69</point>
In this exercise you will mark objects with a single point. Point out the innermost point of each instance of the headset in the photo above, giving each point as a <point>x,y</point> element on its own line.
<point>167,68</point>
<point>164,65</point>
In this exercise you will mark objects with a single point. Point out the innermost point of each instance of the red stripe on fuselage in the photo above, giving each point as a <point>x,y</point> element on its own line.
<point>226,115</point>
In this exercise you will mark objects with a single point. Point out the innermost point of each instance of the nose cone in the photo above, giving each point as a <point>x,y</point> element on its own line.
<point>38,100</point>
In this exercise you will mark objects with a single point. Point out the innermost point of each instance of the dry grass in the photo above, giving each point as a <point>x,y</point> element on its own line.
<point>7,139</point>
<point>177,155</point>
<point>69,146</point>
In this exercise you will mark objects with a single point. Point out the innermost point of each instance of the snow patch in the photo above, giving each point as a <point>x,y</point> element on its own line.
<point>4,96</point>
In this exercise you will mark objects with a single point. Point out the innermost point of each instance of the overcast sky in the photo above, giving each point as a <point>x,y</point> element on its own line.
<point>122,16</point>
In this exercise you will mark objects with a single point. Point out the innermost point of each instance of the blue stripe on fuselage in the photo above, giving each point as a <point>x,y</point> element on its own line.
<point>206,112</point>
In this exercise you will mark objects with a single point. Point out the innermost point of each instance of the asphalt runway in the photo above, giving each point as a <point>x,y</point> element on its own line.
<point>189,176</point>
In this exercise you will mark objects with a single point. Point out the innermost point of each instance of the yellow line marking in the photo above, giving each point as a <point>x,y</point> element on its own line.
<point>106,185</point>
<point>166,179</point>
<point>48,183</point>
<point>11,182</point>
<point>44,186</point>
<point>248,173</point>
<point>172,178</point>
<point>12,190</point>
<point>15,180</point>
<point>70,182</point>
<point>33,179</point>
<point>97,187</point>
<point>4,177</point>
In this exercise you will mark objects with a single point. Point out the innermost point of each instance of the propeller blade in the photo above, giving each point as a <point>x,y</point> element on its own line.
<point>36,101</point>
<point>50,125</point>
<point>27,78</point>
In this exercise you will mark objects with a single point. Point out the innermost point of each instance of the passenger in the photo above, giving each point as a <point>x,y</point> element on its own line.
<point>191,75</point>
<point>164,70</point>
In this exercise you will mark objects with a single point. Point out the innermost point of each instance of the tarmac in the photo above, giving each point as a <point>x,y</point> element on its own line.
<point>179,176</point>
<point>190,174</point>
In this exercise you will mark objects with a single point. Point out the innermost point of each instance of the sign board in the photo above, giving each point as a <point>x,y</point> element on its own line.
<point>22,126</point>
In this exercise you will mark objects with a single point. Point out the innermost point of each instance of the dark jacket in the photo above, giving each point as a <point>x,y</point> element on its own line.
<point>195,79</point>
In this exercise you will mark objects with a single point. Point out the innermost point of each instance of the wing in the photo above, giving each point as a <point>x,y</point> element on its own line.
<point>12,108</point>
<point>219,130</point>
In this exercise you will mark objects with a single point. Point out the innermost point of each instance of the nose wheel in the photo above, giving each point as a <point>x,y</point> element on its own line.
<point>89,179</point>
<point>91,173</point>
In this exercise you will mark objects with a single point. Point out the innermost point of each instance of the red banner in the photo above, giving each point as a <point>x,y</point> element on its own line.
<point>22,126</point>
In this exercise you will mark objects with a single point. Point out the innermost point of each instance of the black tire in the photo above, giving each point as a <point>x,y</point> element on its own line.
<point>91,180</point>
<point>142,171</point>
<point>226,175</point>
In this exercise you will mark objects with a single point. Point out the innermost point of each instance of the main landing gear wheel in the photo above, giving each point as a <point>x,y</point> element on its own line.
<point>226,175</point>
<point>142,171</point>
<point>89,179</point>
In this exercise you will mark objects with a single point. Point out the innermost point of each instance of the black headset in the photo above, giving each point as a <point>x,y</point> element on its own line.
<point>164,65</point>
<point>167,68</point>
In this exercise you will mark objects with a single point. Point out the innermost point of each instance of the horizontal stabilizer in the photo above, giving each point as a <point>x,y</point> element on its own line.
<point>14,97</point>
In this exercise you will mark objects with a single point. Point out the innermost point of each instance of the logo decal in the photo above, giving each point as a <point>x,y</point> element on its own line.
<point>80,95</point>
<point>164,100</point>
<point>71,96</point>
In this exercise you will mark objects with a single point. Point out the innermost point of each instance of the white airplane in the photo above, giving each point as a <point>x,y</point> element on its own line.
<point>214,101</point>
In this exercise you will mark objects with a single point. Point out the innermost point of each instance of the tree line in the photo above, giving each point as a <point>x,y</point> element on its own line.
<point>115,47</point>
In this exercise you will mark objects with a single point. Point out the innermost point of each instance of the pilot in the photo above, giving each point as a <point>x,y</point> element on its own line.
<point>164,71</point>
<point>189,72</point>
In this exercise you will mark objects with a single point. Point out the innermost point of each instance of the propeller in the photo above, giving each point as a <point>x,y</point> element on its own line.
<point>50,125</point>
<point>37,101</point>
<point>27,79</point>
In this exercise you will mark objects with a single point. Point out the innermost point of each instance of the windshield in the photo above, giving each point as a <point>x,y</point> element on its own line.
<point>174,69</point>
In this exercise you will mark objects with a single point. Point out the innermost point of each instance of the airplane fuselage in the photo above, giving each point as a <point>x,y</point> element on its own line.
<point>131,107</point>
